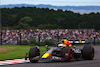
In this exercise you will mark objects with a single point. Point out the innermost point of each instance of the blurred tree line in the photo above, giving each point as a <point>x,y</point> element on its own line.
<point>45,18</point>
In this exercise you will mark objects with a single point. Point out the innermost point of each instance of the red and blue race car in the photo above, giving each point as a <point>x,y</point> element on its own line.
<point>62,52</point>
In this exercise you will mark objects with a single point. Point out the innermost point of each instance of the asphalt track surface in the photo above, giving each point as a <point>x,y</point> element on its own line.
<point>83,63</point>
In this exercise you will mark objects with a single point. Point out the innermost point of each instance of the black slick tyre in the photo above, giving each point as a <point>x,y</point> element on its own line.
<point>88,52</point>
<point>33,52</point>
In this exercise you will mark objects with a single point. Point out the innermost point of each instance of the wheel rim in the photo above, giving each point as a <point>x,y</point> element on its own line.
<point>70,54</point>
<point>92,53</point>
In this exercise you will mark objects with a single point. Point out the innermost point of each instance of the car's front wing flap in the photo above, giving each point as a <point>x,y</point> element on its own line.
<point>48,59</point>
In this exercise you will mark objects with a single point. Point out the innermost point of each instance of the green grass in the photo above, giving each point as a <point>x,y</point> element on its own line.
<point>16,51</point>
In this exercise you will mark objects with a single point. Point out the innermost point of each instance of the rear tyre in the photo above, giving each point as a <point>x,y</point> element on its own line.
<point>68,54</point>
<point>88,52</point>
<point>33,52</point>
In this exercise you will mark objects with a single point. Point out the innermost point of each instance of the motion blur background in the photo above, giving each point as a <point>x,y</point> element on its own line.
<point>29,20</point>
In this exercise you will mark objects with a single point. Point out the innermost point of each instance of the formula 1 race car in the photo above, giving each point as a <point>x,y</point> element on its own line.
<point>61,53</point>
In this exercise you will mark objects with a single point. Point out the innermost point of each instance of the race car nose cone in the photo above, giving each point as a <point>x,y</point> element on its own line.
<point>45,60</point>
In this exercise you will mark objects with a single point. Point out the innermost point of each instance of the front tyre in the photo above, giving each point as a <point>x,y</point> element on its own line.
<point>33,52</point>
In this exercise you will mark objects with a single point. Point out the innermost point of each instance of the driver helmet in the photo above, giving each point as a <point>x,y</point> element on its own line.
<point>64,41</point>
